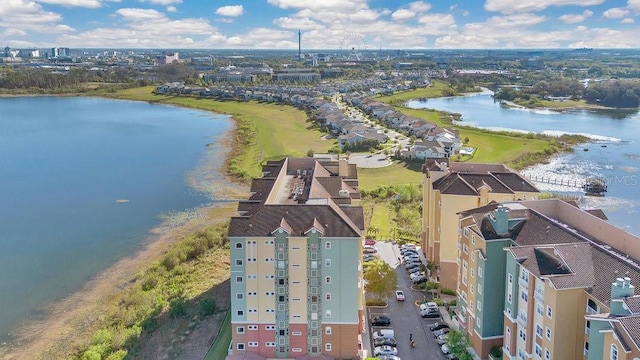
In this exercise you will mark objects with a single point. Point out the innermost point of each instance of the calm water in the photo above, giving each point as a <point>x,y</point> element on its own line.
<point>63,164</point>
<point>614,155</point>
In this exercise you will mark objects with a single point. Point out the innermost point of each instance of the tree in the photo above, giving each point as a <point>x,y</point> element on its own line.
<point>310,153</point>
<point>458,342</point>
<point>381,279</point>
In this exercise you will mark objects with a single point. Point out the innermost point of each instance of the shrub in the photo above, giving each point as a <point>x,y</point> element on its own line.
<point>208,306</point>
<point>177,308</point>
<point>376,302</point>
<point>448,292</point>
<point>431,285</point>
<point>453,302</point>
<point>438,301</point>
<point>118,355</point>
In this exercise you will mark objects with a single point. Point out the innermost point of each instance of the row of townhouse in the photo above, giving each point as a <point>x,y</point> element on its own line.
<point>545,279</point>
<point>434,142</point>
<point>296,263</point>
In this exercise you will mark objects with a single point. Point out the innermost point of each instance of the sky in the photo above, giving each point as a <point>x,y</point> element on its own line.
<point>325,24</point>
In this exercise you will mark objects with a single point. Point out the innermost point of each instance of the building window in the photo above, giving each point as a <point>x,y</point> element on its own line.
<point>239,296</point>
<point>327,314</point>
<point>327,279</point>
<point>539,330</point>
<point>240,312</point>
<point>466,232</point>
<point>538,350</point>
<point>327,347</point>
<point>240,330</point>
<point>548,333</point>
<point>328,296</point>
<point>327,245</point>
<point>539,308</point>
<point>471,288</point>
<point>547,354</point>
<point>479,271</point>
<point>478,322</point>
<point>252,327</point>
<point>522,335</point>
<point>473,256</point>
<point>549,312</point>
<point>327,263</point>
<point>524,275</point>
<point>524,296</point>
<point>238,262</point>
<point>614,352</point>
<point>253,344</point>
<point>238,245</point>
<point>507,339</point>
<point>509,298</point>
<point>327,330</point>
<point>478,305</point>
<point>240,346</point>
<point>239,279</point>
<point>479,288</point>
<point>465,248</point>
<point>473,239</point>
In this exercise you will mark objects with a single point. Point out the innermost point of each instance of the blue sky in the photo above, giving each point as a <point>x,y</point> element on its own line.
<point>325,24</point>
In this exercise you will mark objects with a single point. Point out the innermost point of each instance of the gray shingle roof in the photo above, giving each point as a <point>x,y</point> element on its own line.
<point>631,325</point>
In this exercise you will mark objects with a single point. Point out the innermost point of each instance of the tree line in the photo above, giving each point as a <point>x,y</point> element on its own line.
<point>610,93</point>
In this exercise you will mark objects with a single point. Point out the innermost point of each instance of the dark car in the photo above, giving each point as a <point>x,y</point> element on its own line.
<point>384,341</point>
<point>438,326</point>
<point>410,266</point>
<point>381,321</point>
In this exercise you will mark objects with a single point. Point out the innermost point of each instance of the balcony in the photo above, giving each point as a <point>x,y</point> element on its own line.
<point>524,283</point>
<point>522,319</point>
<point>539,295</point>
<point>591,311</point>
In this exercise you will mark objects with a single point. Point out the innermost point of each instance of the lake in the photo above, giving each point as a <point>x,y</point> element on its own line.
<point>614,154</point>
<point>65,163</point>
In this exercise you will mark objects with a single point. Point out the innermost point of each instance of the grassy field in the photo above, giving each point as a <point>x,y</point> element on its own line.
<point>272,131</point>
<point>220,347</point>
<point>432,91</point>
<point>397,173</point>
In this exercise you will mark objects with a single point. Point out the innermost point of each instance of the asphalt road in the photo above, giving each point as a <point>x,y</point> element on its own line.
<point>405,316</point>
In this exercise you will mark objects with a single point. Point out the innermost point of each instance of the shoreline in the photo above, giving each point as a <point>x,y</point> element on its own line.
<point>75,312</point>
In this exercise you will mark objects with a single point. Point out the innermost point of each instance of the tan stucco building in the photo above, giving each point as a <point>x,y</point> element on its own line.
<point>449,188</point>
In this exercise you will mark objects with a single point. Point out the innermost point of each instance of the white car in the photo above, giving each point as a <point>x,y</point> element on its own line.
<point>415,275</point>
<point>427,305</point>
<point>445,349</point>
<point>385,350</point>
<point>400,295</point>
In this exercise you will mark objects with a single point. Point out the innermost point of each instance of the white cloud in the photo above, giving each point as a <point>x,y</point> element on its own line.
<point>164,2</point>
<point>79,3</point>
<point>172,9</point>
<point>265,38</point>
<point>11,32</point>
<point>230,10</point>
<point>575,18</point>
<point>615,13</point>
<point>136,14</point>
<point>633,4</point>
<point>303,23</point>
<point>511,6</point>
<point>414,9</point>
<point>627,21</point>
<point>438,24</point>
<point>317,5</point>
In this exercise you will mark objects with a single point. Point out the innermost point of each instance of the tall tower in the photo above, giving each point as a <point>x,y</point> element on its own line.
<point>299,44</point>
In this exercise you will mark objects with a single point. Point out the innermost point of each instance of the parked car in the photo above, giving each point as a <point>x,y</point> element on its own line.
<point>385,350</point>
<point>428,305</point>
<point>451,357</point>
<point>368,257</point>
<point>411,256</point>
<point>382,320</point>
<point>385,342</point>
<point>369,250</point>
<point>441,332</point>
<point>411,266</point>
<point>445,349</point>
<point>408,252</point>
<point>415,272</point>
<point>400,295</point>
<point>369,242</point>
<point>388,357</point>
<point>419,280</point>
<point>442,339</point>
<point>438,326</point>
<point>430,313</point>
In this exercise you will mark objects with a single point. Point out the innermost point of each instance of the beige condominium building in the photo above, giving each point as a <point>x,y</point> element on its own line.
<point>547,280</point>
<point>449,188</point>
<point>296,263</point>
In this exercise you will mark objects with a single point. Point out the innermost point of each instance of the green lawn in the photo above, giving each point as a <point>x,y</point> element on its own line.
<point>278,130</point>
<point>382,220</point>
<point>397,173</point>
<point>432,91</point>
<point>220,346</point>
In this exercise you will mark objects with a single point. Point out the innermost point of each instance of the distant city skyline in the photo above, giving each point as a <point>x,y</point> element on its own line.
<point>325,24</point>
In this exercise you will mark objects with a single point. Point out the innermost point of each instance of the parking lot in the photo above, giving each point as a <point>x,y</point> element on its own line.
<point>405,315</point>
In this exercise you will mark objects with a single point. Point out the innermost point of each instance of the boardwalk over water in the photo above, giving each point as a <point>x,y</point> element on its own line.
<point>567,182</point>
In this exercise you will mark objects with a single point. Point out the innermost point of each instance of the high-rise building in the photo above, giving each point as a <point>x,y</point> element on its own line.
<point>449,188</point>
<point>296,263</point>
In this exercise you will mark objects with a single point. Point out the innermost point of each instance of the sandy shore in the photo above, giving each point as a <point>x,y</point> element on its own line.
<point>66,319</point>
